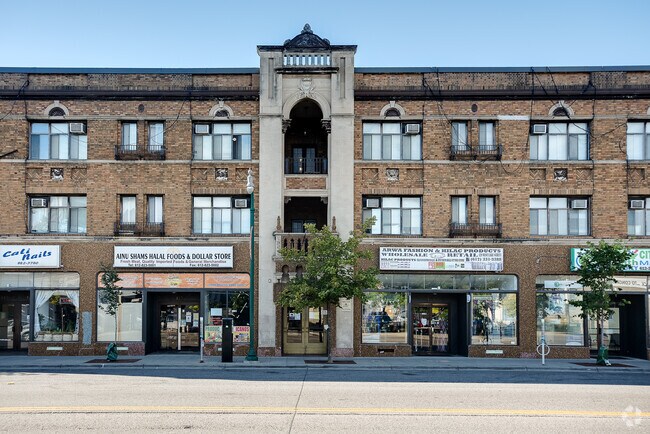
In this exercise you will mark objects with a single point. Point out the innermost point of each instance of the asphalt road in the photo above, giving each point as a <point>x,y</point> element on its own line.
<point>317,400</point>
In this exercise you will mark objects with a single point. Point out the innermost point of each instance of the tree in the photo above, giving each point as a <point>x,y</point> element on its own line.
<point>110,300</point>
<point>331,272</point>
<point>598,264</point>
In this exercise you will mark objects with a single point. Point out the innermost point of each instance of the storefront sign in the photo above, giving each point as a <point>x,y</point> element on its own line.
<point>441,258</point>
<point>30,256</point>
<point>639,262</point>
<point>173,257</point>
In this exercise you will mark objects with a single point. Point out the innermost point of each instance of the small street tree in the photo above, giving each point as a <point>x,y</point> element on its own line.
<point>109,302</point>
<point>332,272</point>
<point>598,264</point>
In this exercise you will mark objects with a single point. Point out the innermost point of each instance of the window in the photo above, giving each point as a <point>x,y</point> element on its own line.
<point>459,139</point>
<point>391,141</point>
<point>130,135</point>
<point>459,209</point>
<point>487,210</point>
<point>486,140</point>
<point>226,304</point>
<point>57,214</point>
<point>638,216</point>
<point>384,318</point>
<point>127,209</point>
<point>129,318</point>
<point>57,315</point>
<point>638,140</point>
<point>494,319</point>
<point>221,215</point>
<point>559,141</point>
<point>562,322</point>
<point>394,215</point>
<point>222,141</point>
<point>58,141</point>
<point>156,136</point>
<point>559,216</point>
<point>154,209</point>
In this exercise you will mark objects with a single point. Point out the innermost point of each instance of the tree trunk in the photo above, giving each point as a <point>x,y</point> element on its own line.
<point>601,332</point>
<point>329,328</point>
<point>115,317</point>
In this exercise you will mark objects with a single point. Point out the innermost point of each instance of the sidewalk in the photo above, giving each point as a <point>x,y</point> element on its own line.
<point>192,361</point>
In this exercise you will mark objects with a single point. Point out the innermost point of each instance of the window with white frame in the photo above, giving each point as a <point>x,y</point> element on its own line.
<point>486,138</point>
<point>156,136</point>
<point>459,210</point>
<point>559,141</point>
<point>222,141</point>
<point>638,140</point>
<point>559,216</point>
<point>220,215</point>
<point>487,210</point>
<point>127,209</point>
<point>459,136</point>
<point>638,216</point>
<point>394,215</point>
<point>57,214</point>
<point>58,141</point>
<point>392,141</point>
<point>154,209</point>
<point>129,135</point>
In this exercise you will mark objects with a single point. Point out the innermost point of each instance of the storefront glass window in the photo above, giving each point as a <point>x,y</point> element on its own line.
<point>384,318</point>
<point>129,318</point>
<point>562,323</point>
<point>57,315</point>
<point>494,319</point>
<point>226,304</point>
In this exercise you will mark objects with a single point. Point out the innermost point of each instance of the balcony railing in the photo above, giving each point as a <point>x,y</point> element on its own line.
<point>468,152</point>
<point>137,152</point>
<point>299,166</point>
<point>475,230</point>
<point>139,229</point>
<point>306,60</point>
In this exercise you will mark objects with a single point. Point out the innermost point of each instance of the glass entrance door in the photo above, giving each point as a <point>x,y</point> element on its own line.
<point>14,326</point>
<point>430,328</point>
<point>304,331</point>
<point>179,327</point>
<point>612,332</point>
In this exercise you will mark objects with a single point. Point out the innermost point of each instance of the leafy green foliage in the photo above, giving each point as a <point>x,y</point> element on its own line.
<point>331,269</point>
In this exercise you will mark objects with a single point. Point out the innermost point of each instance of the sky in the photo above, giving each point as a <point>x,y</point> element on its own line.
<point>398,33</point>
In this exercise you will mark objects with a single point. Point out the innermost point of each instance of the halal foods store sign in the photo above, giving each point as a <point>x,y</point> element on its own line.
<point>440,259</point>
<point>173,257</point>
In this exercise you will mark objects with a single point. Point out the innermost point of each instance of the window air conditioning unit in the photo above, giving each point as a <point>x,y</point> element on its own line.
<point>579,204</point>
<point>412,129</point>
<point>38,202</point>
<point>202,129</point>
<point>77,128</point>
<point>241,203</point>
<point>637,204</point>
<point>372,203</point>
<point>539,128</point>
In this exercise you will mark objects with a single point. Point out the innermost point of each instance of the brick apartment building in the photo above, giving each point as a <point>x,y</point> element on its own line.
<point>484,182</point>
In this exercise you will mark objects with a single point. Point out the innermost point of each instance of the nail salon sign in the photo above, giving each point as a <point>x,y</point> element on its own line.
<point>30,256</point>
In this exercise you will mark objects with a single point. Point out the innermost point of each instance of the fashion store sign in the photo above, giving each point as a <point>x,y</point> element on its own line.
<point>639,262</point>
<point>29,256</point>
<point>440,259</point>
<point>173,257</point>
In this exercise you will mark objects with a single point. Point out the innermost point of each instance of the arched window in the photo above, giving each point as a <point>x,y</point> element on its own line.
<point>222,114</point>
<point>56,111</point>
<point>561,111</point>
<point>392,112</point>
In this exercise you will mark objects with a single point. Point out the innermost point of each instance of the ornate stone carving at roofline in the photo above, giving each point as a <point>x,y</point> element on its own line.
<point>307,39</point>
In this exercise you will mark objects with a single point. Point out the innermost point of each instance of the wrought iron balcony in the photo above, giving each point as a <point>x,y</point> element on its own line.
<point>468,152</point>
<point>475,230</point>
<point>137,152</point>
<point>299,166</point>
<point>139,229</point>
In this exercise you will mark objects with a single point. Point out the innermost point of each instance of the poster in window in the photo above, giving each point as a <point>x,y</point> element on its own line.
<point>213,334</point>
<point>241,334</point>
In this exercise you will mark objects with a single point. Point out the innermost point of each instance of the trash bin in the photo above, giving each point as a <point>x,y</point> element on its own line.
<point>226,343</point>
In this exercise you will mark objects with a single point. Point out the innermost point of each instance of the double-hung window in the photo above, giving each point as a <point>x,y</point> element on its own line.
<point>58,141</point>
<point>638,216</point>
<point>638,141</point>
<point>156,136</point>
<point>154,209</point>
<point>487,210</point>
<point>486,140</point>
<point>129,136</point>
<point>221,215</point>
<point>394,215</point>
<point>459,210</point>
<point>459,136</point>
<point>559,216</point>
<point>559,141</point>
<point>57,214</point>
<point>127,210</point>
<point>392,141</point>
<point>222,141</point>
